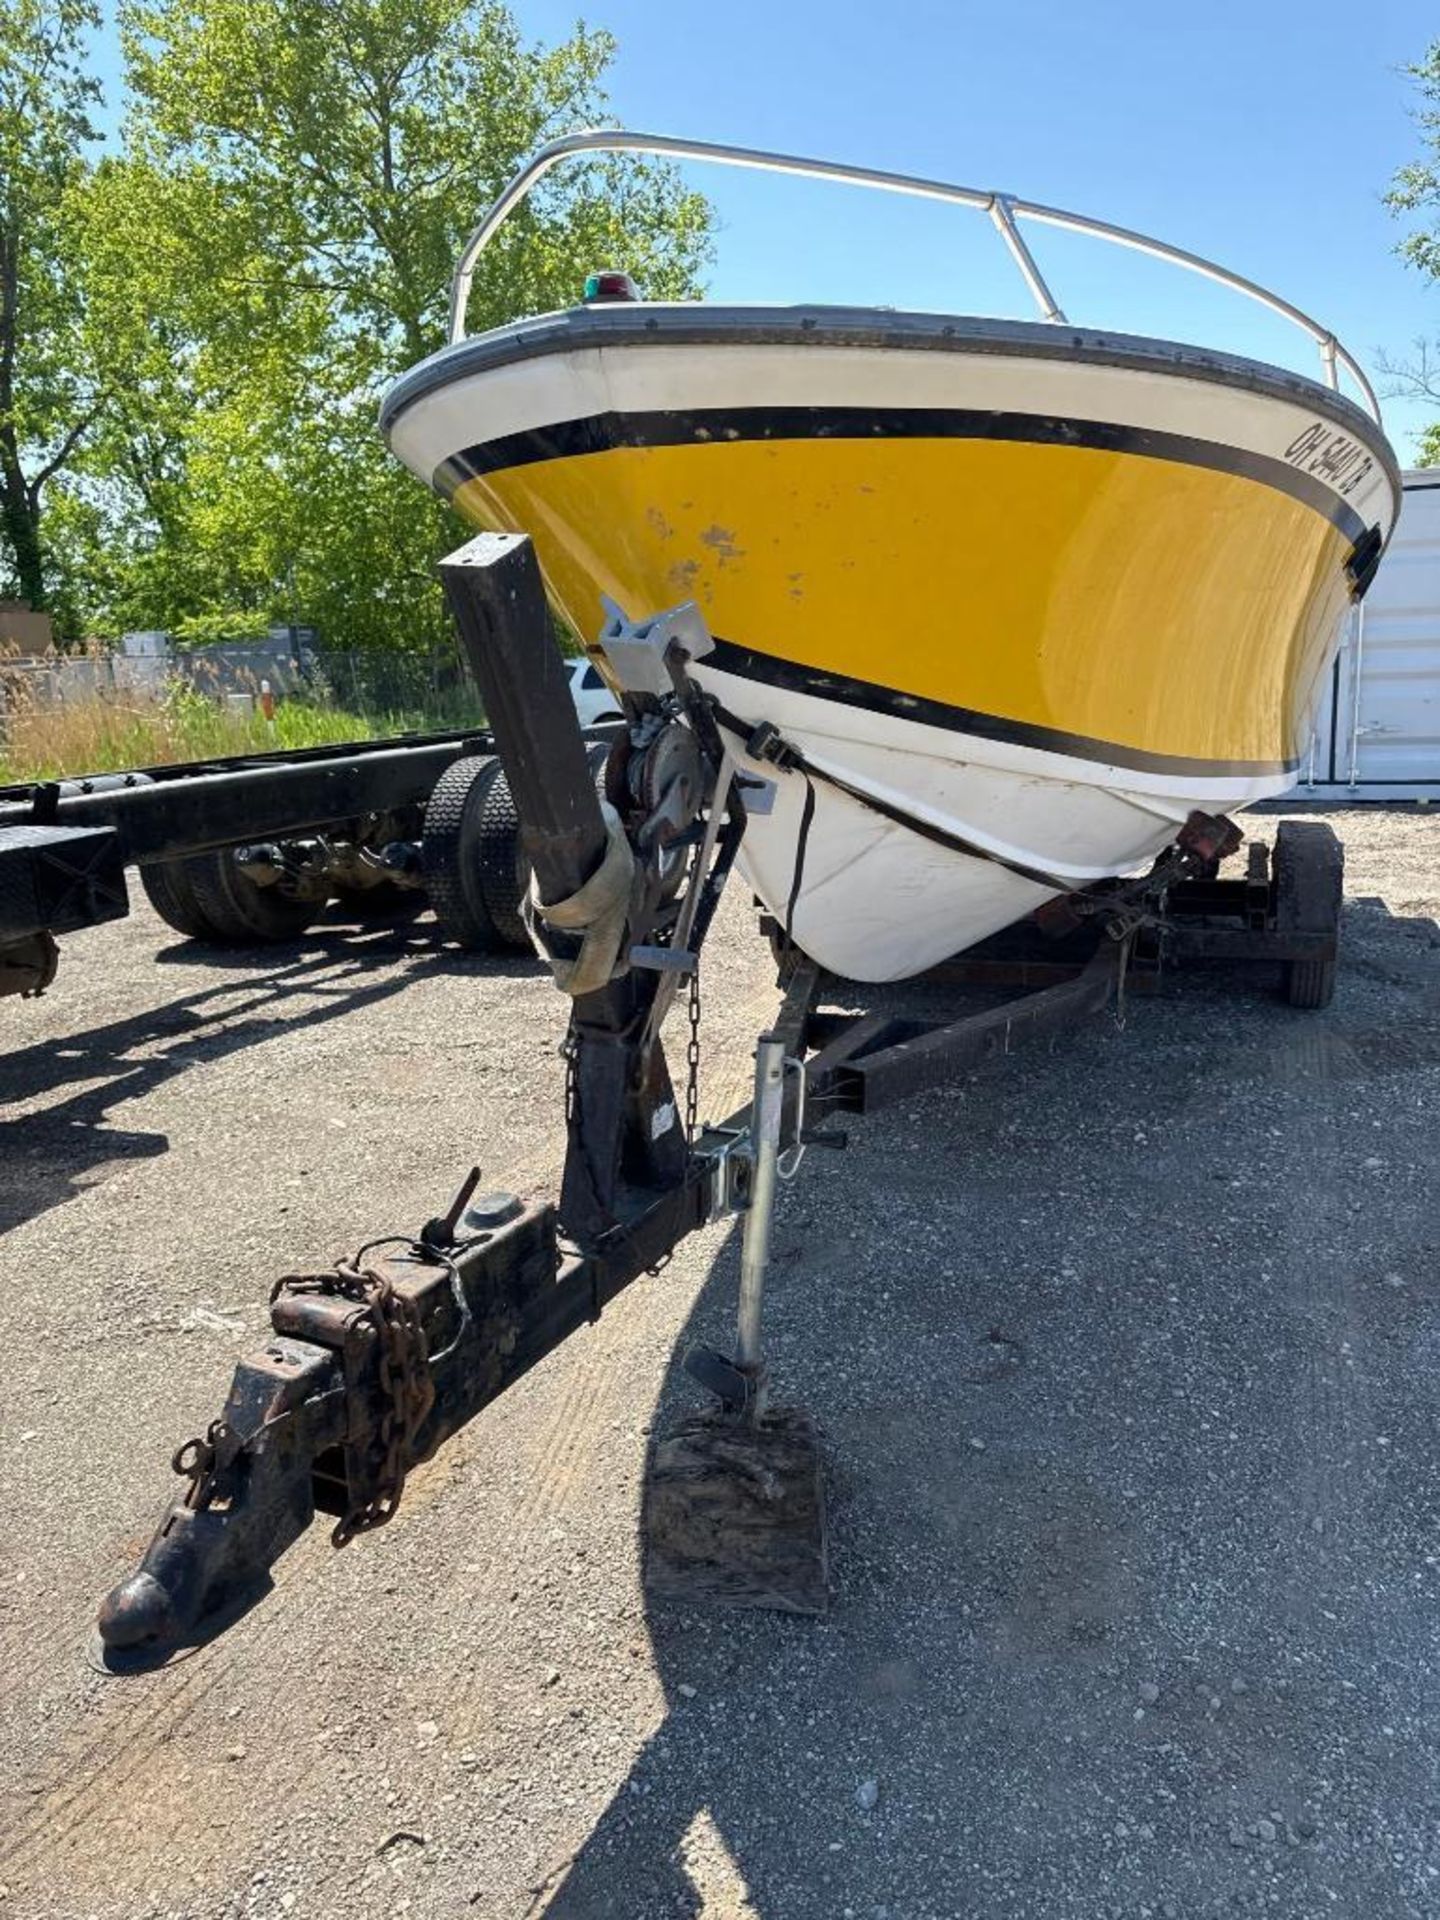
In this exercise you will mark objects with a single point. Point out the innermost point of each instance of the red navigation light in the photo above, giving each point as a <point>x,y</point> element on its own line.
<point>609,285</point>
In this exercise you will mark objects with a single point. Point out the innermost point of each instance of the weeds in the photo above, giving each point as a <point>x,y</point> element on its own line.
<point>103,733</point>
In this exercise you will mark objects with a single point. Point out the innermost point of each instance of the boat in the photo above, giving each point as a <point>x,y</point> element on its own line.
<point>1018,595</point>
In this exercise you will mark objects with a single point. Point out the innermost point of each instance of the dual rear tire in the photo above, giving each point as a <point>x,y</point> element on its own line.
<point>206,897</point>
<point>470,856</point>
<point>475,871</point>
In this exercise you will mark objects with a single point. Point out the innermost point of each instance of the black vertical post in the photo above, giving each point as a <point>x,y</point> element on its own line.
<point>495,594</point>
<point>624,1130</point>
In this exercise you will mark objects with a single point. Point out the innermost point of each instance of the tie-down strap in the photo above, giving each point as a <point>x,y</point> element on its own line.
<point>598,911</point>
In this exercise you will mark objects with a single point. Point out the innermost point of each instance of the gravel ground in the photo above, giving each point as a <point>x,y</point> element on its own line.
<point>1125,1362</point>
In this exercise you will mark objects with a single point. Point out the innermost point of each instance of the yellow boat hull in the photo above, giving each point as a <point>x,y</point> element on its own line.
<point>1134,608</point>
<point>1040,591</point>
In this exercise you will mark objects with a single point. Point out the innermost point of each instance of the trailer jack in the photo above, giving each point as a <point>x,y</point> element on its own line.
<point>734,1508</point>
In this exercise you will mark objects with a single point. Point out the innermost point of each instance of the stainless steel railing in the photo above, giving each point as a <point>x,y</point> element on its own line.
<point>1004,209</point>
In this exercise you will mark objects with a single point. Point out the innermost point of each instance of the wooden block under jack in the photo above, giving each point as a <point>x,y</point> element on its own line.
<point>734,1513</point>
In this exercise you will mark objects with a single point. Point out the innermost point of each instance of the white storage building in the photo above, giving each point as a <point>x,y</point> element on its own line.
<point>1378,732</point>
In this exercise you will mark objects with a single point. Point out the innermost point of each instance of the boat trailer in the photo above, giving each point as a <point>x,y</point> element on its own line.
<point>373,1364</point>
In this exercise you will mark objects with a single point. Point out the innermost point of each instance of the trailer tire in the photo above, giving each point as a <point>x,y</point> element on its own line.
<point>1310,984</point>
<point>1309,880</point>
<point>167,887</point>
<point>450,854</point>
<point>238,913</point>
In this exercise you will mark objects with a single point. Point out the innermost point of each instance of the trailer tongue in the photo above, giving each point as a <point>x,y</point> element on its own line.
<point>374,1363</point>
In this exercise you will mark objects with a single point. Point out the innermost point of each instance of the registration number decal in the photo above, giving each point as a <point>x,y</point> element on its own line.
<point>1330,456</point>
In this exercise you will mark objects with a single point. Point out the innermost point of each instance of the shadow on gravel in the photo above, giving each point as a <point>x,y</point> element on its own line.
<point>47,1156</point>
<point>1133,1496</point>
<point>371,945</point>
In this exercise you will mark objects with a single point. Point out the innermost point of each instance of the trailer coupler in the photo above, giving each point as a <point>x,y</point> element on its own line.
<point>369,1368</point>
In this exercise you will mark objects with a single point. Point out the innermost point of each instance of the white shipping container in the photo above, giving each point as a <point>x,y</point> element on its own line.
<point>1377,736</point>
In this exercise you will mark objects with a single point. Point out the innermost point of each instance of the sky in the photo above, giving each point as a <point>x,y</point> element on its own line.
<point>1262,135</point>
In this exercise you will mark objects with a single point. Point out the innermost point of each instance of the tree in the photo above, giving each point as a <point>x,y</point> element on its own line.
<point>1416,190</point>
<point>48,403</point>
<point>275,244</point>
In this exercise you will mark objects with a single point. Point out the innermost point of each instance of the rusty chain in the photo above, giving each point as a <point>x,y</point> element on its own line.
<point>407,1391</point>
<point>201,1462</point>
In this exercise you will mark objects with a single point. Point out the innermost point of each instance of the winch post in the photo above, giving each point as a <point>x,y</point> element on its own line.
<point>755,1247</point>
<point>496,597</point>
<point>625,1141</point>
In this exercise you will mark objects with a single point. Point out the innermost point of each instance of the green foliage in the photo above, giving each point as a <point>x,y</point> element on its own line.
<point>219,627</point>
<point>270,248</point>
<point>47,395</point>
<point>1416,190</point>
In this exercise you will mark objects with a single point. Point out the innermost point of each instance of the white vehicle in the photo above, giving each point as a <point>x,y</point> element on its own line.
<point>594,701</point>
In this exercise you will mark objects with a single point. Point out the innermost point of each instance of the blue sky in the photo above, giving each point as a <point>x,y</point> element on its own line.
<point>1260,134</point>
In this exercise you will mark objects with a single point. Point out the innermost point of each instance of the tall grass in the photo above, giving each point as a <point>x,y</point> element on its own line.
<point>112,731</point>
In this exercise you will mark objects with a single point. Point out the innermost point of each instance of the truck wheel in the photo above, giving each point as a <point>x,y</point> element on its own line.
<point>1309,870</point>
<point>450,854</point>
<point>237,912</point>
<point>470,851</point>
<point>501,869</point>
<point>504,870</point>
<point>167,887</point>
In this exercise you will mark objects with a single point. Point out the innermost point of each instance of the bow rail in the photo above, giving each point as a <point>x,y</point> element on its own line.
<point>1005,210</point>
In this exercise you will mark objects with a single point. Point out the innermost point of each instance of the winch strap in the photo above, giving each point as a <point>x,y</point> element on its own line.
<point>598,911</point>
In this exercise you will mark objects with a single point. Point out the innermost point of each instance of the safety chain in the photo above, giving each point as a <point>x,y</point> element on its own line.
<point>692,1063</point>
<point>407,1391</point>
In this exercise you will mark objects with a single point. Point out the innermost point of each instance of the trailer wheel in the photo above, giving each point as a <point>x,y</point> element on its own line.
<point>1309,870</point>
<point>167,887</point>
<point>1310,984</point>
<point>451,856</point>
<point>237,912</point>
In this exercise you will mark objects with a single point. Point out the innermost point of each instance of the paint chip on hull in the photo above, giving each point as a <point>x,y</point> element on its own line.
<point>722,542</point>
